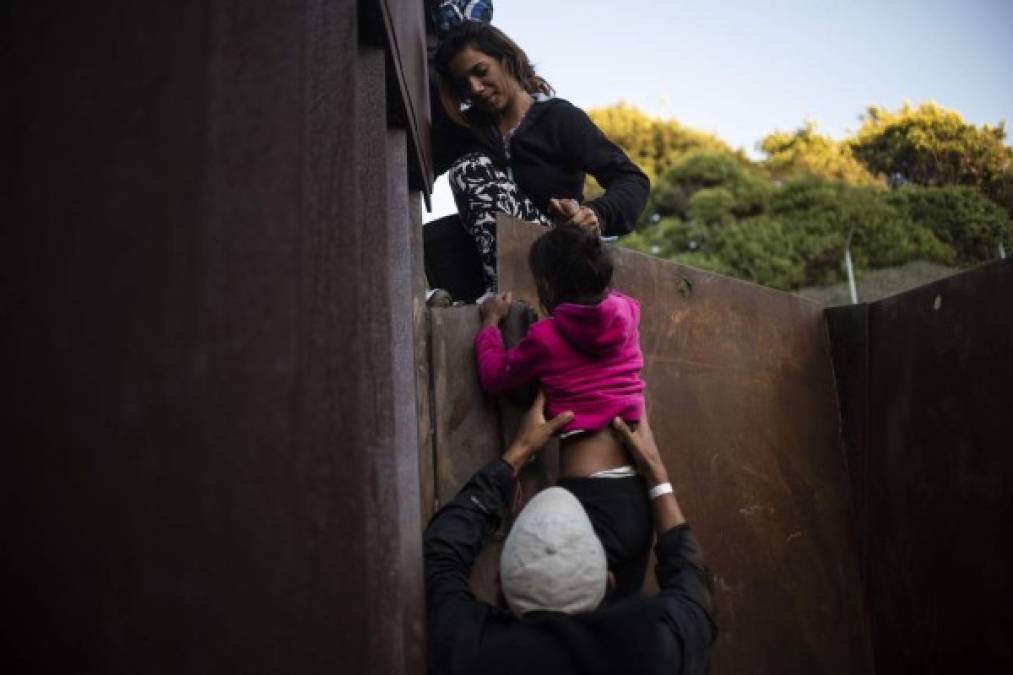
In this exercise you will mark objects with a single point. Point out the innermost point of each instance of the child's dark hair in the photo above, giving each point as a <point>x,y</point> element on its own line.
<point>570,264</point>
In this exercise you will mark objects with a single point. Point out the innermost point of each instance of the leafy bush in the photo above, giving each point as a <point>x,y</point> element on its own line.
<point>700,171</point>
<point>805,152</point>
<point>800,238</point>
<point>712,206</point>
<point>931,145</point>
<point>654,144</point>
<point>669,237</point>
<point>766,250</point>
<point>958,216</point>
<point>787,221</point>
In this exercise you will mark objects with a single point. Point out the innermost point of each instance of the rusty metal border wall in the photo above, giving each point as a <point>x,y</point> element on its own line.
<point>211,442</point>
<point>926,389</point>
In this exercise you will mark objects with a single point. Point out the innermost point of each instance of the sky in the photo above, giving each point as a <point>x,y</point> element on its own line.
<point>743,69</point>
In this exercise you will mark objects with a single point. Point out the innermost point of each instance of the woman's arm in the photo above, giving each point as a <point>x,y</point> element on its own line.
<point>626,186</point>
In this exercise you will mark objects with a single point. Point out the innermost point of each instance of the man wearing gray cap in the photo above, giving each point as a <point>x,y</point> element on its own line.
<point>553,575</point>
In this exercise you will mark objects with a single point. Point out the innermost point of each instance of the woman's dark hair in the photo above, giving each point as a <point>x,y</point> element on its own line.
<point>570,264</point>
<point>488,40</point>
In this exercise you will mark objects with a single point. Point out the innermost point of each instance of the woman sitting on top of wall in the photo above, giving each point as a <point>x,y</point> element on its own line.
<point>511,148</point>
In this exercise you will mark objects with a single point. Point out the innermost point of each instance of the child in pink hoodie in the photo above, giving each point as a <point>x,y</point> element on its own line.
<point>586,356</point>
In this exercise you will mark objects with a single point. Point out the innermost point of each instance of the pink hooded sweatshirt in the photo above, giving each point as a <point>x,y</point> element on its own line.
<point>587,358</point>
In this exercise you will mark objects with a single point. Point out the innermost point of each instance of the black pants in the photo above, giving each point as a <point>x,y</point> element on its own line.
<point>620,513</point>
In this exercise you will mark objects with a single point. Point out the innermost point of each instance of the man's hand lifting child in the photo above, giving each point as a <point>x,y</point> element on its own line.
<point>495,308</point>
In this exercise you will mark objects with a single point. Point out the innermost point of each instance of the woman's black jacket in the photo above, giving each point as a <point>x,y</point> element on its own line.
<point>554,146</point>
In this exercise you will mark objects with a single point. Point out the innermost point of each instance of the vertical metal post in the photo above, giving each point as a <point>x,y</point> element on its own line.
<point>850,268</point>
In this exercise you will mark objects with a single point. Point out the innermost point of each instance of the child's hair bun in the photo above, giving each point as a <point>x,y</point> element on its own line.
<point>593,245</point>
<point>571,262</point>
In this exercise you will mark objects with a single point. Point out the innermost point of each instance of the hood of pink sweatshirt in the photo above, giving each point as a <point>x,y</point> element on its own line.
<point>598,329</point>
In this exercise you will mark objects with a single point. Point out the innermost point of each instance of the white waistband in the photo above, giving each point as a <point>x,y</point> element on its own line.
<point>624,471</point>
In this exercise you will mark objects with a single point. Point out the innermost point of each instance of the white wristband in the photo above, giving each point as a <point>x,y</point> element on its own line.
<point>659,489</point>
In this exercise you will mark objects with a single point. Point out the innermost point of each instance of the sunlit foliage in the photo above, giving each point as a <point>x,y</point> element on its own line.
<point>916,184</point>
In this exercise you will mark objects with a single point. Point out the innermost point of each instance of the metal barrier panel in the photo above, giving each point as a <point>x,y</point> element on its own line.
<point>926,383</point>
<point>742,400</point>
<point>212,454</point>
<point>405,42</point>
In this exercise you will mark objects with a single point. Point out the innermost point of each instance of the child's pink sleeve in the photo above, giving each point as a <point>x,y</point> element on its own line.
<point>501,369</point>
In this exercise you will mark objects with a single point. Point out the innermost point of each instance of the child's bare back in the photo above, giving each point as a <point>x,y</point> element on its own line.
<point>588,453</point>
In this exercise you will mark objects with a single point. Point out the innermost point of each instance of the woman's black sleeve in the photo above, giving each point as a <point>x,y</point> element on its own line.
<point>626,186</point>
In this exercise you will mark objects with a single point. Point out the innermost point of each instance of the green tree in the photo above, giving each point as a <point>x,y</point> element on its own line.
<point>785,222</point>
<point>805,152</point>
<point>715,175</point>
<point>960,217</point>
<point>930,145</point>
<point>669,238</point>
<point>798,239</point>
<point>884,234</point>
<point>653,143</point>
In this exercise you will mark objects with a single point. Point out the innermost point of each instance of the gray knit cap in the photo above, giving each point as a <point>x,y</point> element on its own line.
<point>552,559</point>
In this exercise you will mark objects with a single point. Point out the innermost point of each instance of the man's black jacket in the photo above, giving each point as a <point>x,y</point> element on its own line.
<point>668,633</point>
